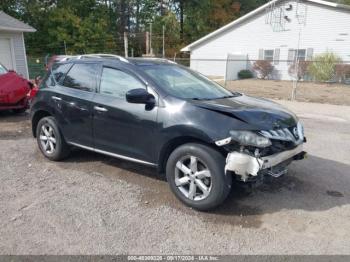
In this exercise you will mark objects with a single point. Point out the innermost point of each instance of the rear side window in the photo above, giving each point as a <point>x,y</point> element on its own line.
<point>82,77</point>
<point>59,71</point>
<point>117,83</point>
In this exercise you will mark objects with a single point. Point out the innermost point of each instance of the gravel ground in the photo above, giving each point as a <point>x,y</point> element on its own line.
<point>92,204</point>
<point>336,94</point>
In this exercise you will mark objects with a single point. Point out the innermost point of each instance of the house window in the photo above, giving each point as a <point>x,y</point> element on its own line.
<point>301,54</point>
<point>268,55</point>
<point>292,53</point>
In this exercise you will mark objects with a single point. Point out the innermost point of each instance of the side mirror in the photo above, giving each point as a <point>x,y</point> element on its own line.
<point>139,96</point>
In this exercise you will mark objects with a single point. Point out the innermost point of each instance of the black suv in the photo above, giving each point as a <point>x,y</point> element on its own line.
<point>158,113</point>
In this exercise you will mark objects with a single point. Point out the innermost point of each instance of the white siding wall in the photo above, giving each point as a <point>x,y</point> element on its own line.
<point>323,27</point>
<point>19,51</point>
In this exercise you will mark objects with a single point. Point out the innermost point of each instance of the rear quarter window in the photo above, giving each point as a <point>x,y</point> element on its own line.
<point>55,75</point>
<point>59,71</point>
<point>82,77</point>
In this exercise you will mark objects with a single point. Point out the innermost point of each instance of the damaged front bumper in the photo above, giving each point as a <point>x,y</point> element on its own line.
<point>248,167</point>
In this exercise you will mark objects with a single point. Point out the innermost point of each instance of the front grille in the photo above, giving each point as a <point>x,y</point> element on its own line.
<point>293,134</point>
<point>277,147</point>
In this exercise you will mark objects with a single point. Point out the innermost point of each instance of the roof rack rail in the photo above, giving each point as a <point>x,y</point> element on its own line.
<point>161,59</point>
<point>122,59</point>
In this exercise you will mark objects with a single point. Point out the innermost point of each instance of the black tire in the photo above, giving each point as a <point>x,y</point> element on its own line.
<point>215,162</point>
<point>62,149</point>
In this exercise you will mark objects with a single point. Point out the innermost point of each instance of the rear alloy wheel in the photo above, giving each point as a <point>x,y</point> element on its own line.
<point>196,175</point>
<point>47,139</point>
<point>50,140</point>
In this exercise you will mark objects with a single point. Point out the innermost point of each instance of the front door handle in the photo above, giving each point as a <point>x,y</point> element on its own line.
<point>100,109</point>
<point>56,98</point>
<point>74,105</point>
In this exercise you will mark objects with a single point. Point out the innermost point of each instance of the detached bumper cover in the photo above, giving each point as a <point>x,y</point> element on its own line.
<point>245,165</point>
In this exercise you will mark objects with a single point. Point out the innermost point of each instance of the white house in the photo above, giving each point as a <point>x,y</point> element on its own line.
<point>274,31</point>
<point>12,47</point>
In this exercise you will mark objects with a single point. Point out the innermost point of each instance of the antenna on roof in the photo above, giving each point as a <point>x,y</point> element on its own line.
<point>275,16</point>
<point>278,15</point>
<point>301,12</point>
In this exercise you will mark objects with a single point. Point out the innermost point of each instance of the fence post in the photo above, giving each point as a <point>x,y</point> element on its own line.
<point>126,44</point>
<point>65,47</point>
<point>226,73</point>
<point>147,43</point>
<point>163,41</point>
<point>295,82</point>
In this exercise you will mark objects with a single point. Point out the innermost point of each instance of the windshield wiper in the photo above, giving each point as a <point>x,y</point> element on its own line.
<point>226,97</point>
<point>214,98</point>
<point>230,96</point>
<point>199,99</point>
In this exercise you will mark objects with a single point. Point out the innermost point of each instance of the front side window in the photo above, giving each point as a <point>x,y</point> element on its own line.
<point>268,55</point>
<point>3,70</point>
<point>117,83</point>
<point>82,77</point>
<point>185,83</point>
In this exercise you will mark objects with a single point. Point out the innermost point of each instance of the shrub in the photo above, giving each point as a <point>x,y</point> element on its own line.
<point>302,69</point>
<point>323,67</point>
<point>342,71</point>
<point>263,68</point>
<point>245,74</point>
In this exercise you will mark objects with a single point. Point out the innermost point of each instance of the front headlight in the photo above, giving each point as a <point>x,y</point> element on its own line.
<point>248,138</point>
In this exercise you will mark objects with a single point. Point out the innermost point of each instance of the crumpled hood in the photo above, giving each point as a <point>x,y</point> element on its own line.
<point>261,113</point>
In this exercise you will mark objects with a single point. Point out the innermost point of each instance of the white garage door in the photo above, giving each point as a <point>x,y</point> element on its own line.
<point>6,53</point>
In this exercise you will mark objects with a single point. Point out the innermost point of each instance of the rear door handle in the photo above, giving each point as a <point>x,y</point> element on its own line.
<point>100,109</point>
<point>56,98</point>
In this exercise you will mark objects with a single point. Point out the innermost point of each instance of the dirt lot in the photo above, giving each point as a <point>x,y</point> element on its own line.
<point>92,204</point>
<point>335,94</point>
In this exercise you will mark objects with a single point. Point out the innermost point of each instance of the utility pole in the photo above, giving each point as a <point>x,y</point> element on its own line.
<point>150,38</point>
<point>126,48</point>
<point>163,41</point>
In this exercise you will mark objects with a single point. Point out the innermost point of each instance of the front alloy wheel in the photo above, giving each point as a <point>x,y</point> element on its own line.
<point>196,175</point>
<point>193,178</point>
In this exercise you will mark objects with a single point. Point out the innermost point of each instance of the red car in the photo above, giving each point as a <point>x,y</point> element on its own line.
<point>15,91</point>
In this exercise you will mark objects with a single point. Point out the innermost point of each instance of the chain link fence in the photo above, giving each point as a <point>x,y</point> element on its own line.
<point>315,81</point>
<point>322,81</point>
<point>37,65</point>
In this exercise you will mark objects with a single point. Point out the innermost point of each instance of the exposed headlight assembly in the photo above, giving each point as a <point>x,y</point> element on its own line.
<point>248,138</point>
<point>245,138</point>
